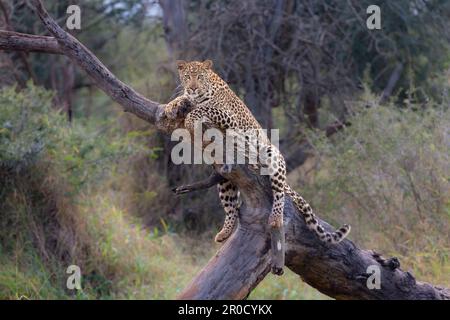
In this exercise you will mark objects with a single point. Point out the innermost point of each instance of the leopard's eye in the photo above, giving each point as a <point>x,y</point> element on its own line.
<point>186,76</point>
<point>200,77</point>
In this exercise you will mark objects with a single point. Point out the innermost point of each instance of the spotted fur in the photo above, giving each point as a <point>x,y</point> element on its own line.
<point>216,103</point>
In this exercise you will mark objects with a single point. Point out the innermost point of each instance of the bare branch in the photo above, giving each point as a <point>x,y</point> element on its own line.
<point>211,181</point>
<point>120,92</point>
<point>10,40</point>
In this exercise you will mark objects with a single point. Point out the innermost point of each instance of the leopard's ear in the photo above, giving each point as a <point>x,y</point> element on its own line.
<point>181,64</point>
<point>207,64</point>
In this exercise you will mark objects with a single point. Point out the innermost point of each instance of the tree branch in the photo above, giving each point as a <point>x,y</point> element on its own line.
<point>10,40</point>
<point>339,271</point>
<point>211,181</point>
<point>128,98</point>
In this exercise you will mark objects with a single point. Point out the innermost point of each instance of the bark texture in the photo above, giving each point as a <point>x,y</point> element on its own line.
<point>10,40</point>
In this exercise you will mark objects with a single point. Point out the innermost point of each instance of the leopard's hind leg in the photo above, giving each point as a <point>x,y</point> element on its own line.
<point>229,197</point>
<point>277,172</point>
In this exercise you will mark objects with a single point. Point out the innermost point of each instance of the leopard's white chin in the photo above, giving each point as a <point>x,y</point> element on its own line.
<point>195,97</point>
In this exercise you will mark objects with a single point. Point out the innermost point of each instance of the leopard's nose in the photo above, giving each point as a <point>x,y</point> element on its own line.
<point>194,87</point>
<point>192,90</point>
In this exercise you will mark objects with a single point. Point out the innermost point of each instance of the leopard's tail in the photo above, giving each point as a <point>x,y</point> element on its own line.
<point>312,222</point>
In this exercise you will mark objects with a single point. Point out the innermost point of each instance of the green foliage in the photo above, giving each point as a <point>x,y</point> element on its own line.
<point>387,174</point>
<point>26,126</point>
<point>288,287</point>
<point>46,165</point>
<point>31,130</point>
<point>411,34</point>
<point>61,204</point>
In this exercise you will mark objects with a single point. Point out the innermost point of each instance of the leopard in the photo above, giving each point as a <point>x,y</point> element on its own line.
<point>217,104</point>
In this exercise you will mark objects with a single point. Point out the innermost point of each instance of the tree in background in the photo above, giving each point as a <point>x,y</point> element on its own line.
<point>295,63</point>
<point>295,54</point>
<point>105,19</point>
<point>288,53</point>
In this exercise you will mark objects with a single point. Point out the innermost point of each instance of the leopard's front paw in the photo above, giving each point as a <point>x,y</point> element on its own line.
<point>171,112</point>
<point>178,108</point>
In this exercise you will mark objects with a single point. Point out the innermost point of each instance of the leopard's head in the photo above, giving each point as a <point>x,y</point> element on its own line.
<point>196,78</point>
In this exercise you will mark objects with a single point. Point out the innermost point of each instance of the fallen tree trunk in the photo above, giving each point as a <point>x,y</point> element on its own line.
<point>339,271</point>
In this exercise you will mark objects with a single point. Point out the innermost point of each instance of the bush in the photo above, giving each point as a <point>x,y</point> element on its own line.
<point>388,175</point>
<point>47,167</point>
<point>32,131</point>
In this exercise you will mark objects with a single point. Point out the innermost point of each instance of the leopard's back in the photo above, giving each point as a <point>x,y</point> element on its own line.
<point>228,101</point>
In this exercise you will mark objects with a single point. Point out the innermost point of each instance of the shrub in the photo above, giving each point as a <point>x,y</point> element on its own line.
<point>388,175</point>
<point>46,164</point>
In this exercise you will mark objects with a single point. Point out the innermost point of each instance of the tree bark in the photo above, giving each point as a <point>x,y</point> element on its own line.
<point>174,23</point>
<point>339,271</point>
<point>11,40</point>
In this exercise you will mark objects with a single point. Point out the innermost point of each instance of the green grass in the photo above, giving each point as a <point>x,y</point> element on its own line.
<point>287,287</point>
